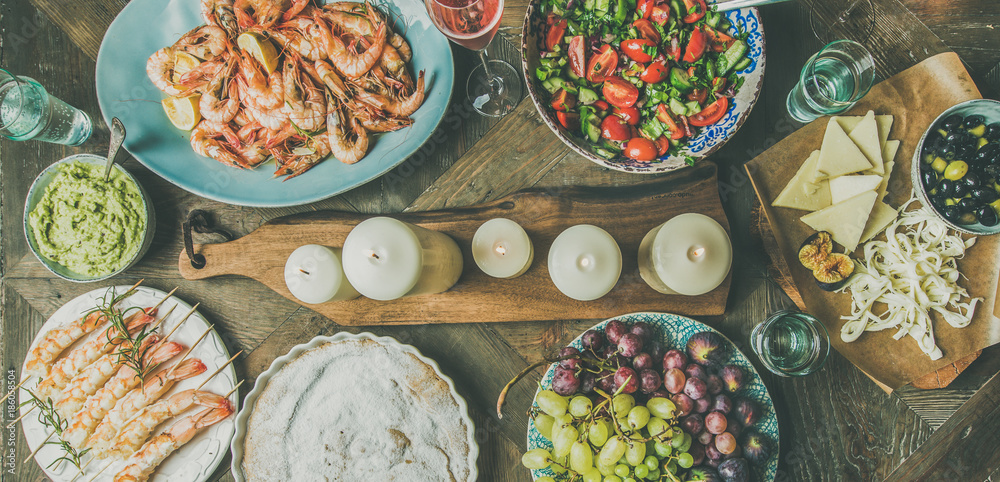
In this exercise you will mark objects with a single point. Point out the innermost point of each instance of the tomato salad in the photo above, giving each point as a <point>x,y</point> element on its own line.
<point>637,78</point>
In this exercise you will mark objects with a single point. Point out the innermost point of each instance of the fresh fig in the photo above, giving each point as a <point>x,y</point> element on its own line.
<point>702,473</point>
<point>714,383</point>
<point>733,378</point>
<point>735,470</point>
<point>834,271</point>
<point>707,349</point>
<point>747,412</point>
<point>756,447</point>
<point>815,249</point>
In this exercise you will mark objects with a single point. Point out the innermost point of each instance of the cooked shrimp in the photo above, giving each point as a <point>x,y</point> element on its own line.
<point>92,379</point>
<point>348,63</point>
<point>57,340</point>
<point>197,78</point>
<point>142,464</point>
<point>379,122</point>
<point>139,428</point>
<point>220,14</point>
<point>344,149</point>
<point>257,88</point>
<point>82,424</point>
<point>160,70</point>
<point>333,81</point>
<point>301,35</point>
<point>205,141</point>
<point>395,66</point>
<point>78,359</point>
<point>304,102</point>
<point>205,42</point>
<point>221,99</point>
<point>264,12</point>
<point>400,44</point>
<point>399,106</point>
<point>136,400</point>
<point>296,164</point>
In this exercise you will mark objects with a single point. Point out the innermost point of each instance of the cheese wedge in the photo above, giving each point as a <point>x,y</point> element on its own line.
<point>801,192</point>
<point>845,187</point>
<point>865,136</point>
<point>839,155</point>
<point>845,221</point>
<point>882,215</point>
<point>889,153</point>
<point>851,121</point>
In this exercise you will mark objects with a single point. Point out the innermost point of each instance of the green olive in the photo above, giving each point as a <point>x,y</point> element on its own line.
<point>956,170</point>
<point>996,205</point>
<point>950,201</point>
<point>978,131</point>
<point>939,165</point>
<point>981,142</point>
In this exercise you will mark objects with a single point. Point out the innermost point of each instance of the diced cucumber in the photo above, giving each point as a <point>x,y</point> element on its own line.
<point>601,7</point>
<point>710,70</point>
<point>543,74</point>
<point>742,64</point>
<point>592,129</point>
<point>553,84</point>
<point>713,19</point>
<point>679,12</point>
<point>678,107</point>
<point>692,107</point>
<point>652,128</point>
<point>621,12</point>
<point>731,57</point>
<point>680,79</point>
<point>587,96</point>
<point>589,4</point>
<point>605,153</point>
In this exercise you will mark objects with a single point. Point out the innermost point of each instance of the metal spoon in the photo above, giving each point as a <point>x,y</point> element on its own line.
<point>117,138</point>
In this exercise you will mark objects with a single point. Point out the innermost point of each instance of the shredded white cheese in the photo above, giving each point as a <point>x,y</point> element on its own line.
<point>913,273</point>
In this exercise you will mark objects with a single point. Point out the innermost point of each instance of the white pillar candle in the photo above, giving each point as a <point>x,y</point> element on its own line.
<point>585,262</point>
<point>502,249</point>
<point>688,255</point>
<point>386,259</point>
<point>314,275</point>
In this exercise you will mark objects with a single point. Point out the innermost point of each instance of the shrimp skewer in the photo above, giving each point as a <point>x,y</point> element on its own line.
<point>92,379</point>
<point>138,430</point>
<point>97,405</point>
<point>142,464</point>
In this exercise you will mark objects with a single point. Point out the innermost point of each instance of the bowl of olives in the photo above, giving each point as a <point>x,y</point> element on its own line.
<point>957,167</point>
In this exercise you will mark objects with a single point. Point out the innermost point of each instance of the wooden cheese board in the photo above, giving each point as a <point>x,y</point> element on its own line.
<point>627,213</point>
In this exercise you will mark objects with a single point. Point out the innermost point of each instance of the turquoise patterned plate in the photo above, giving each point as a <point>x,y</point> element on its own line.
<point>674,332</point>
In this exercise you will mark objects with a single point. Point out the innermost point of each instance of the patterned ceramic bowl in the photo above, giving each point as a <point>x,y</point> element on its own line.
<point>674,332</point>
<point>707,142</point>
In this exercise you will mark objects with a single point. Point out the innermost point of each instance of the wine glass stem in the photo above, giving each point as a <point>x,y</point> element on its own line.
<point>486,67</point>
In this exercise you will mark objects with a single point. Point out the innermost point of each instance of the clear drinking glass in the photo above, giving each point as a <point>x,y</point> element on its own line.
<point>28,112</point>
<point>494,87</point>
<point>833,80</point>
<point>791,343</point>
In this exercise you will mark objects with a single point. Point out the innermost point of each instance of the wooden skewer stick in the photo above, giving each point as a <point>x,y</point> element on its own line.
<point>92,479</point>
<point>189,350</point>
<point>164,317</point>
<point>18,419</point>
<point>237,387</point>
<point>39,448</point>
<point>12,390</point>
<point>216,372</point>
<point>165,298</point>
<point>179,323</point>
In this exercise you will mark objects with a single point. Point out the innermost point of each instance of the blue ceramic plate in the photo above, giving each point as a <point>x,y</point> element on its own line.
<point>709,140</point>
<point>674,332</point>
<point>124,91</point>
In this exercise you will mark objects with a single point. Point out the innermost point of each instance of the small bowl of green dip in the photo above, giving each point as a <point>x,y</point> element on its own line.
<point>83,228</point>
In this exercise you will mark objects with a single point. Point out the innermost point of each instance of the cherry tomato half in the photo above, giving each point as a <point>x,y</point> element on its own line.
<point>656,72</point>
<point>619,92</point>
<point>662,145</point>
<point>673,50</point>
<point>695,46</point>
<point>647,30</point>
<point>641,149</point>
<point>711,113</point>
<point>602,65</point>
<point>569,120</point>
<point>613,128</point>
<point>660,14</point>
<point>699,10</point>
<point>720,41</point>
<point>628,114</point>
<point>577,56</point>
<point>555,34</point>
<point>563,101</point>
<point>698,95</point>
<point>664,116</point>
<point>600,105</point>
<point>638,48</point>
<point>644,7</point>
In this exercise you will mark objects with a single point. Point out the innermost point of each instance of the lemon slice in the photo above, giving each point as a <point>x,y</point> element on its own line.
<point>183,111</point>
<point>184,63</point>
<point>260,48</point>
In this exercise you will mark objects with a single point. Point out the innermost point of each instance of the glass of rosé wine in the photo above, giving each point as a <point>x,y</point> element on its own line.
<point>494,88</point>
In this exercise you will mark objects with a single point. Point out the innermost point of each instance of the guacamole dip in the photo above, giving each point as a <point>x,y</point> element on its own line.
<point>90,226</point>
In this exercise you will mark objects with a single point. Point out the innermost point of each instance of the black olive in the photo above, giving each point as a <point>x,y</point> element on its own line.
<point>967,218</point>
<point>930,178</point>
<point>955,137</point>
<point>938,143</point>
<point>952,213</point>
<point>969,204</point>
<point>938,202</point>
<point>985,195</point>
<point>965,151</point>
<point>986,153</point>
<point>973,121</point>
<point>947,151</point>
<point>987,216</point>
<point>951,122</point>
<point>992,132</point>
<point>972,180</point>
<point>946,188</point>
<point>959,189</point>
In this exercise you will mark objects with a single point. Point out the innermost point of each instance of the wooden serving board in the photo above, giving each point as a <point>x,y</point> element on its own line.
<point>627,213</point>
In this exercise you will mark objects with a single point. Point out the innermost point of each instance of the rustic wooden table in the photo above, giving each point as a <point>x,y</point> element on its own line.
<point>836,424</point>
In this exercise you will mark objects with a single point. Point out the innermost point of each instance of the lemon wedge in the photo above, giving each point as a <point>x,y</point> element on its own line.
<point>260,48</point>
<point>184,63</point>
<point>183,111</point>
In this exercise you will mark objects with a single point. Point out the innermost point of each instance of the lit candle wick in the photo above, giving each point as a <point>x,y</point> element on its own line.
<point>698,252</point>
<point>304,271</point>
<point>501,250</point>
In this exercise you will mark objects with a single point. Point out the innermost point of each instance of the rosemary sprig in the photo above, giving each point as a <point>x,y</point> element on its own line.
<point>131,350</point>
<point>48,416</point>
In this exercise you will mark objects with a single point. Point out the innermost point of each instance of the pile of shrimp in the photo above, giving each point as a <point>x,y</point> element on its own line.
<point>109,409</point>
<point>342,74</point>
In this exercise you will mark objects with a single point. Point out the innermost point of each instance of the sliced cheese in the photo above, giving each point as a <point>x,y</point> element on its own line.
<point>865,136</point>
<point>845,187</point>
<point>889,153</point>
<point>801,192</point>
<point>839,155</point>
<point>884,125</point>
<point>849,122</point>
<point>845,221</point>
<point>882,215</point>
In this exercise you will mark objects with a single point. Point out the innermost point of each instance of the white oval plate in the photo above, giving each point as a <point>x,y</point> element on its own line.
<point>196,460</point>
<point>248,403</point>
